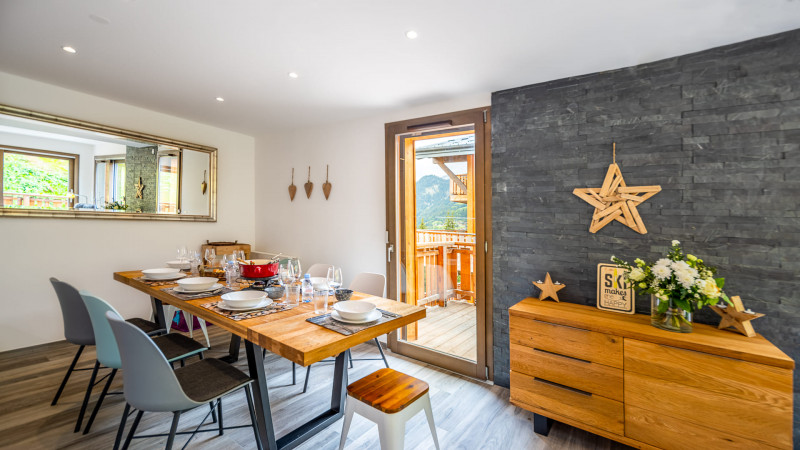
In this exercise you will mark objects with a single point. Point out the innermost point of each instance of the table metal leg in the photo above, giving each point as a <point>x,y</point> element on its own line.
<point>264,424</point>
<point>233,349</point>
<point>255,363</point>
<point>158,313</point>
<point>322,421</point>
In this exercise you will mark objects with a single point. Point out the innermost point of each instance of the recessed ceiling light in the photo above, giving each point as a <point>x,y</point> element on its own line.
<point>99,19</point>
<point>220,99</point>
<point>69,49</point>
<point>293,75</point>
<point>411,34</point>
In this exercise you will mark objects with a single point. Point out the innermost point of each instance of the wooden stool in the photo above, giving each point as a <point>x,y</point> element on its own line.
<point>388,398</point>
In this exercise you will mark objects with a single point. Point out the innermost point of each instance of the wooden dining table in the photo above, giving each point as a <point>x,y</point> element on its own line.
<point>288,334</point>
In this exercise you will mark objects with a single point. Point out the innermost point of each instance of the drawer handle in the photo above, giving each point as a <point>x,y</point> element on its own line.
<point>563,356</point>
<point>577,391</point>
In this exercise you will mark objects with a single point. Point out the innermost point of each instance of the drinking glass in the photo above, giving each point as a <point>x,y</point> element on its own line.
<point>194,261</point>
<point>239,254</point>
<point>320,301</point>
<point>210,255</point>
<point>182,254</point>
<point>293,294</point>
<point>334,277</point>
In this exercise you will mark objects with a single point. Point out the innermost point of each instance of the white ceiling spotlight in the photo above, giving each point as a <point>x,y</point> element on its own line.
<point>293,75</point>
<point>69,49</point>
<point>220,99</point>
<point>411,34</point>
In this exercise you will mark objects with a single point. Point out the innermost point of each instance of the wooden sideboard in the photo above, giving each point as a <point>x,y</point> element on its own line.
<point>617,376</point>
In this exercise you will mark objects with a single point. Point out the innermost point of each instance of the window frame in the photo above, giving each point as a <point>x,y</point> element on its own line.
<point>72,158</point>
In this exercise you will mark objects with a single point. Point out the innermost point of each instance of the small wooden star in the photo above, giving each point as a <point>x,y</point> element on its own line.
<point>736,316</point>
<point>549,288</point>
<point>139,188</point>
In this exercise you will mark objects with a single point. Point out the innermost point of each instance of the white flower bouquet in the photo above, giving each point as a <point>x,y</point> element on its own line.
<point>678,283</point>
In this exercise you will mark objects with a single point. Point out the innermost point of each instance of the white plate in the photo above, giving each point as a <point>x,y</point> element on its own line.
<point>264,303</point>
<point>372,317</point>
<point>175,277</point>
<point>184,291</point>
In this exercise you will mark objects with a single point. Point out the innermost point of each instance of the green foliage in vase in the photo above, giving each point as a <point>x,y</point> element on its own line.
<point>683,279</point>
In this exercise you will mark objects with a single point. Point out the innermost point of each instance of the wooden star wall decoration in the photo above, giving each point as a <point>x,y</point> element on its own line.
<point>549,288</point>
<point>735,316</point>
<point>139,188</point>
<point>616,201</point>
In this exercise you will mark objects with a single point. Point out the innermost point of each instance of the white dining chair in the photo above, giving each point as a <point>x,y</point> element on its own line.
<point>318,270</point>
<point>371,284</point>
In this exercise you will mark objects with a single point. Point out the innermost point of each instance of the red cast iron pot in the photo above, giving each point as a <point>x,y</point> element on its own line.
<point>260,268</point>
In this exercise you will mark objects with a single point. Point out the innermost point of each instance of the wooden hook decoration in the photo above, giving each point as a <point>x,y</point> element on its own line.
<point>326,187</point>
<point>309,186</point>
<point>292,188</point>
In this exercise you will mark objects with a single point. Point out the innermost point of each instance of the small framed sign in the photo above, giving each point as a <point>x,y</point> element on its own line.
<point>613,292</point>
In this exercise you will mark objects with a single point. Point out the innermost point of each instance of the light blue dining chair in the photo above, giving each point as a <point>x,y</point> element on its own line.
<point>151,384</point>
<point>176,347</point>
<point>78,330</point>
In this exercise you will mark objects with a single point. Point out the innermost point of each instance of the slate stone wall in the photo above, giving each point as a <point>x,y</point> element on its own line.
<point>719,130</point>
<point>141,162</point>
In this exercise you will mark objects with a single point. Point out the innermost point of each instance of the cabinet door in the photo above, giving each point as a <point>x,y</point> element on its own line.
<point>748,400</point>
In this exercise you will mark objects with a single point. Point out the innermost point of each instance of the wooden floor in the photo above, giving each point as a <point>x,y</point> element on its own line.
<point>469,414</point>
<point>450,329</point>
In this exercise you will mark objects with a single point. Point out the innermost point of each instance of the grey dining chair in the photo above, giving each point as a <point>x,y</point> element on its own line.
<point>78,330</point>
<point>371,284</point>
<point>151,384</point>
<point>175,347</point>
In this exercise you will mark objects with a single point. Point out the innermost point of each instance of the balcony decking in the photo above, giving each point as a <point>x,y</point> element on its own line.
<point>450,329</point>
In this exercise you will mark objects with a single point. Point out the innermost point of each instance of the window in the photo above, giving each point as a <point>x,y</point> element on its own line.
<point>168,182</point>
<point>38,179</point>
<point>109,180</point>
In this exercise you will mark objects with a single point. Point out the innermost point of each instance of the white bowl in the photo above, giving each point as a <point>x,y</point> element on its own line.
<point>244,299</point>
<point>178,264</point>
<point>197,283</point>
<point>161,273</point>
<point>354,309</point>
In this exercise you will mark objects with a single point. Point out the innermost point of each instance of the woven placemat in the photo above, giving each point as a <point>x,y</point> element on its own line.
<point>270,309</point>
<point>347,329</point>
<point>184,296</point>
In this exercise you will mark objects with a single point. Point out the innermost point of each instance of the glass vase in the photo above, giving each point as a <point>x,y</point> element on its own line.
<point>666,315</point>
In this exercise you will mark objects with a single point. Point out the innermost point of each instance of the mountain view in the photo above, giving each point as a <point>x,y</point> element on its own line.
<point>434,207</point>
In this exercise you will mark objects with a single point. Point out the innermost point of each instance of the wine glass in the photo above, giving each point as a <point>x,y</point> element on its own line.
<point>297,271</point>
<point>210,255</point>
<point>239,254</point>
<point>334,277</point>
<point>182,254</point>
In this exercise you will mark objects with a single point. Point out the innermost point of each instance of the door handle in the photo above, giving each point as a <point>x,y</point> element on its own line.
<point>389,251</point>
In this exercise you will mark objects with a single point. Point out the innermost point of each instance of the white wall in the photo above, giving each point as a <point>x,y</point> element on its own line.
<point>349,228</point>
<point>86,252</point>
<point>194,167</point>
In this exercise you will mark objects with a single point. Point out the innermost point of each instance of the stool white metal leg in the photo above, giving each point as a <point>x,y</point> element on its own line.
<point>391,427</point>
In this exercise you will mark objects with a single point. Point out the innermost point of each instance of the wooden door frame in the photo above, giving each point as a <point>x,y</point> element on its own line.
<point>484,366</point>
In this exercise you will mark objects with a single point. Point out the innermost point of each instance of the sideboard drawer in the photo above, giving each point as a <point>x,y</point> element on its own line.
<point>670,433</point>
<point>575,373</point>
<point>575,342</point>
<point>593,410</point>
<point>756,420</point>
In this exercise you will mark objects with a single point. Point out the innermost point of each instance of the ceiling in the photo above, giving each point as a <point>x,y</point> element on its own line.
<point>352,56</point>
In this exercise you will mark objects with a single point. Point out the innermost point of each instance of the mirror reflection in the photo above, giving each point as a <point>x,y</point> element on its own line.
<point>50,167</point>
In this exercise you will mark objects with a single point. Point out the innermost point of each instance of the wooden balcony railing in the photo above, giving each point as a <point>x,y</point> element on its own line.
<point>41,201</point>
<point>457,194</point>
<point>445,266</point>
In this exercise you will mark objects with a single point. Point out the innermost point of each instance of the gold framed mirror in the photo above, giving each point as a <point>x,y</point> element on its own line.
<point>55,166</point>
